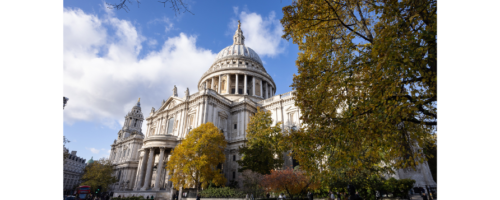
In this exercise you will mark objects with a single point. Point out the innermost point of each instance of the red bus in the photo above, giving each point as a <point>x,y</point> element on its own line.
<point>82,192</point>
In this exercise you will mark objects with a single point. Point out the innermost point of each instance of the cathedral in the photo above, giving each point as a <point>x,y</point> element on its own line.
<point>229,93</point>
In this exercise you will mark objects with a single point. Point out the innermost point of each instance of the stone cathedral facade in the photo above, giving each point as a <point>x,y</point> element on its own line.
<point>229,93</point>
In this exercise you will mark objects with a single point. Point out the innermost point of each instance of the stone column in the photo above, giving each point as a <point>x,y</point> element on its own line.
<point>214,116</point>
<point>212,85</point>
<point>236,85</point>
<point>159,169</point>
<point>140,171</point>
<point>261,91</point>
<point>147,180</point>
<point>269,90</point>
<point>157,125</point>
<point>218,88</point>
<point>227,83</point>
<point>253,85</point>
<point>245,85</point>
<point>265,94</point>
<point>239,123</point>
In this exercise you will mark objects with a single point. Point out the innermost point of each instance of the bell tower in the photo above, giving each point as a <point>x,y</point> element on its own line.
<point>134,119</point>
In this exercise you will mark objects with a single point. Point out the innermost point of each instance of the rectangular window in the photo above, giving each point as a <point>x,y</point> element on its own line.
<point>234,175</point>
<point>170,125</point>
<point>240,91</point>
<point>234,157</point>
<point>235,126</point>
<point>232,91</point>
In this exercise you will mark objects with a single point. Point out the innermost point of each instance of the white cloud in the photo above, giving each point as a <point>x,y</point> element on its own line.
<point>103,75</point>
<point>93,150</point>
<point>261,34</point>
<point>152,42</point>
<point>235,10</point>
<point>165,20</point>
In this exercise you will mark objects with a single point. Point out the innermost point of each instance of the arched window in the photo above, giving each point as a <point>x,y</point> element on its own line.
<point>135,123</point>
<point>223,85</point>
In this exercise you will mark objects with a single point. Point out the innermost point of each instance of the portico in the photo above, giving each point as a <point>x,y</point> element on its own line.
<point>151,173</point>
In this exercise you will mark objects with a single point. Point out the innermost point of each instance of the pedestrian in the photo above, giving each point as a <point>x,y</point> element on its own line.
<point>267,195</point>
<point>280,197</point>
<point>424,197</point>
<point>332,197</point>
<point>357,197</point>
<point>147,197</point>
<point>246,196</point>
<point>152,197</point>
<point>198,196</point>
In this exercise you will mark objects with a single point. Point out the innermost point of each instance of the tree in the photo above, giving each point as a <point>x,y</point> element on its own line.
<point>65,152</point>
<point>195,161</point>
<point>366,83</point>
<point>430,150</point>
<point>293,182</point>
<point>251,183</point>
<point>265,144</point>
<point>99,173</point>
<point>175,5</point>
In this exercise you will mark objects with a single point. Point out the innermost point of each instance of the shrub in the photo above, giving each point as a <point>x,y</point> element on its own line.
<point>224,192</point>
<point>128,198</point>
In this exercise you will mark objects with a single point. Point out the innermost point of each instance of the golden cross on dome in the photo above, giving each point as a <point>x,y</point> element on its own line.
<point>238,24</point>
<point>139,99</point>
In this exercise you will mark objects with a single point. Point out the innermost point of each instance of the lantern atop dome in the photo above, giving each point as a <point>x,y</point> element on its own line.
<point>238,36</point>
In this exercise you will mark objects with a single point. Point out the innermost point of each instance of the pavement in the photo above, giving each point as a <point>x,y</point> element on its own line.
<point>418,197</point>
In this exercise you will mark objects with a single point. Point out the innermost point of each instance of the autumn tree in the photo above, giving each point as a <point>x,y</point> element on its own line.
<point>196,161</point>
<point>430,150</point>
<point>265,146</point>
<point>366,83</point>
<point>99,173</point>
<point>251,183</point>
<point>293,182</point>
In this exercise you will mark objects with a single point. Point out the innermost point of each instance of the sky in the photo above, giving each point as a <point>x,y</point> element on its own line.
<point>113,57</point>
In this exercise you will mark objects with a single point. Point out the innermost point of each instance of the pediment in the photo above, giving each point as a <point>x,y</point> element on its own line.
<point>170,103</point>
<point>291,109</point>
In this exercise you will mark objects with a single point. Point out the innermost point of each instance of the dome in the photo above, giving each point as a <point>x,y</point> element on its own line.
<point>239,50</point>
<point>90,161</point>
<point>238,71</point>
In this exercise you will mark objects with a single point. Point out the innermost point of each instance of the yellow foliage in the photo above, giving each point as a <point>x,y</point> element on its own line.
<point>366,83</point>
<point>194,162</point>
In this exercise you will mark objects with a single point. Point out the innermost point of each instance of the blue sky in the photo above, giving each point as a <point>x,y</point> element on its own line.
<point>111,58</point>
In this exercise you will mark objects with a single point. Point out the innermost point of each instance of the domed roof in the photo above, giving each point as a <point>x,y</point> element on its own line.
<point>238,49</point>
<point>90,161</point>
